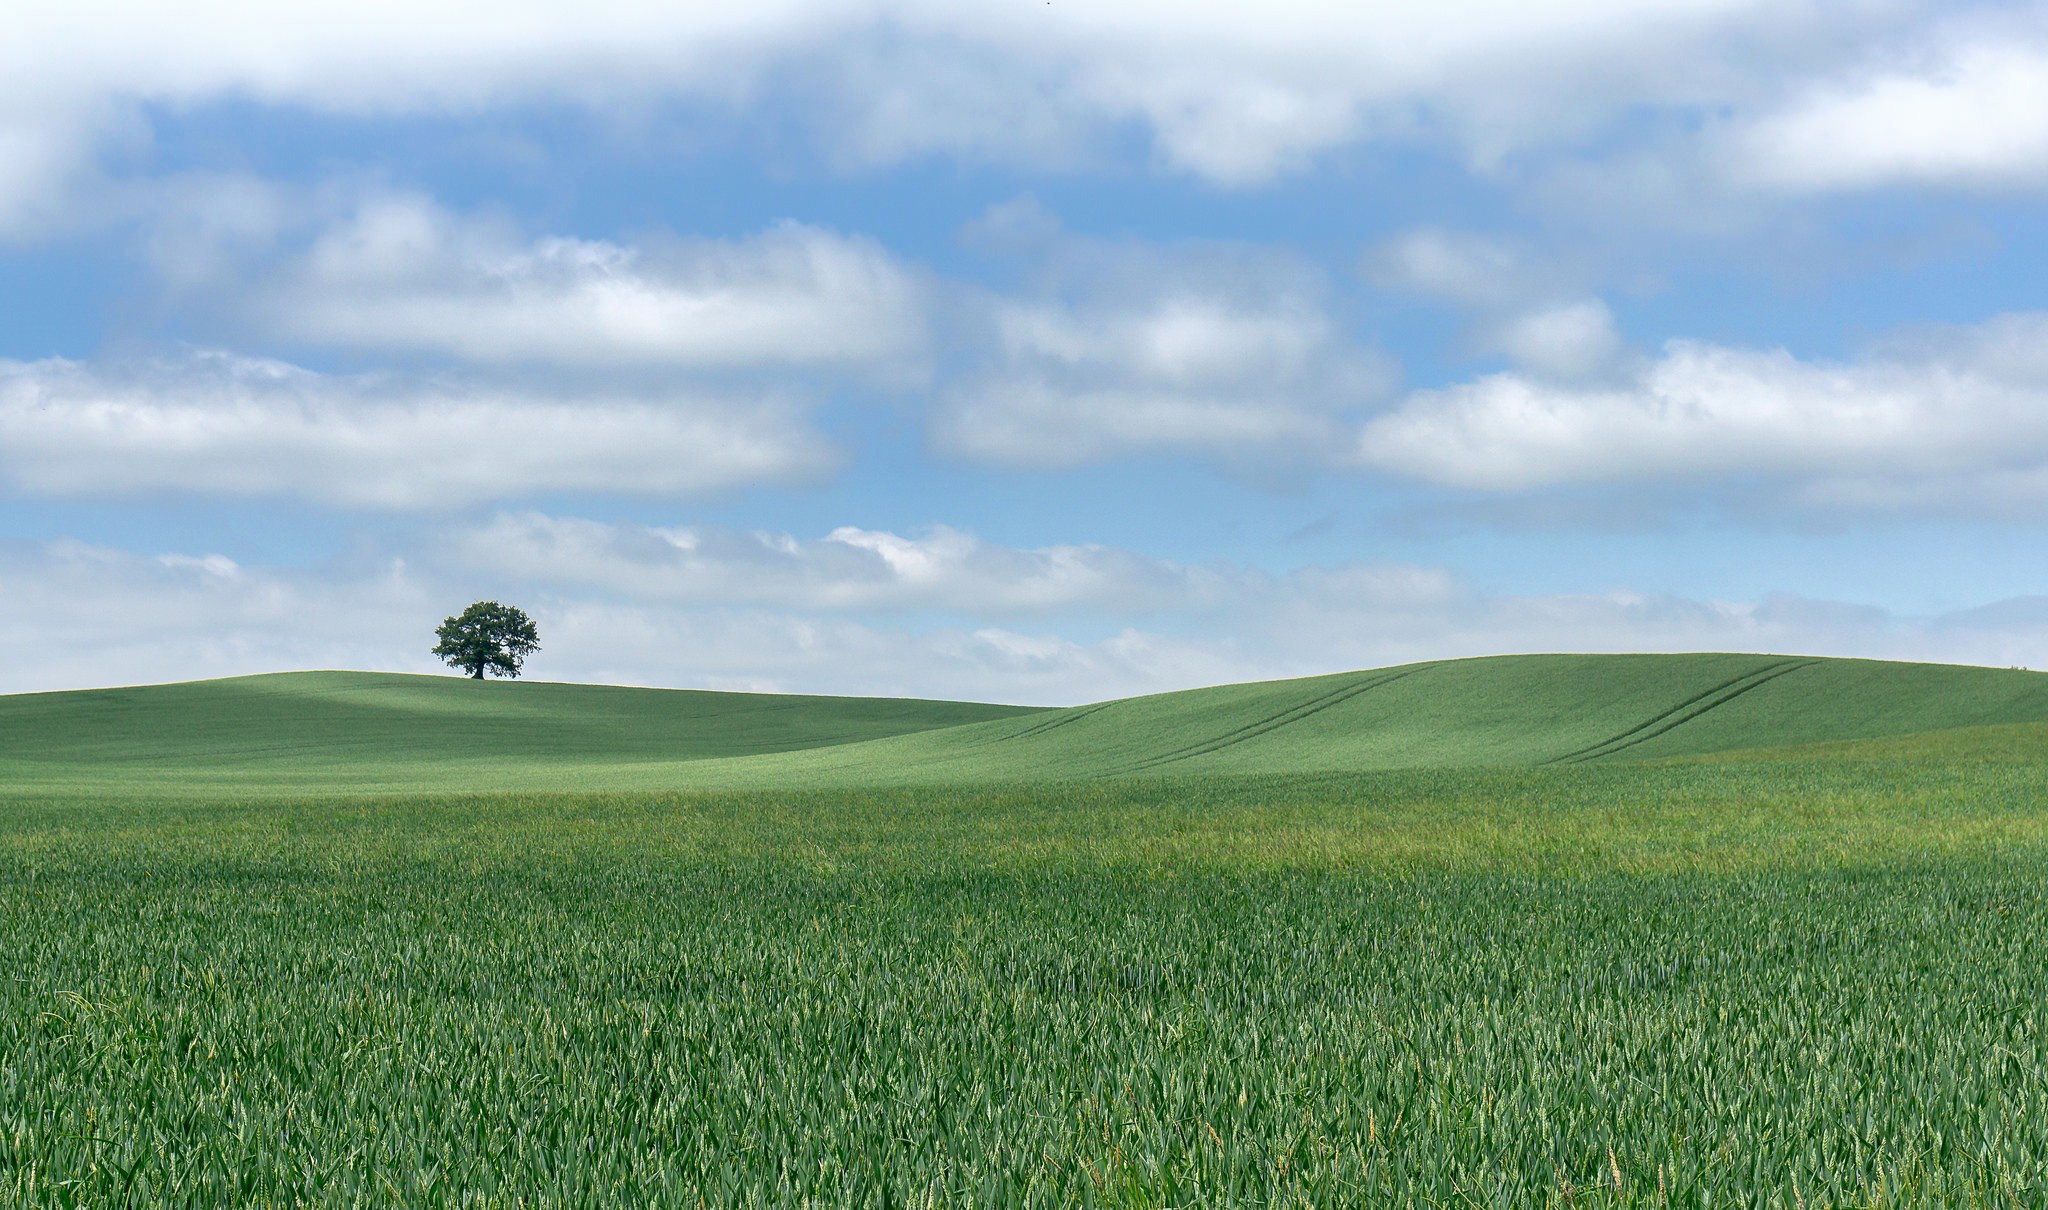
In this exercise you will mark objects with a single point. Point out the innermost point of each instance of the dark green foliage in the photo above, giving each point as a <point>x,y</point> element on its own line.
<point>487,637</point>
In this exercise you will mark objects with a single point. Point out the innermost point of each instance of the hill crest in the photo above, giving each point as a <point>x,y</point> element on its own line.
<point>341,731</point>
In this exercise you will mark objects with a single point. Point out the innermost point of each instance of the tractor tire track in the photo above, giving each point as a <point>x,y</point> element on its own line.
<point>1074,715</point>
<point>1659,717</point>
<point>1253,730</point>
<point>1683,713</point>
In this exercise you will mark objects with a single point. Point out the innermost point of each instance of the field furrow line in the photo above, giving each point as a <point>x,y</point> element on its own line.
<point>1641,736</point>
<point>1661,715</point>
<point>1070,716</point>
<point>1261,726</point>
<point>1267,725</point>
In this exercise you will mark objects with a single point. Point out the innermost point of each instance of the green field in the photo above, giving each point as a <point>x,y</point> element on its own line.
<point>1560,930</point>
<point>350,731</point>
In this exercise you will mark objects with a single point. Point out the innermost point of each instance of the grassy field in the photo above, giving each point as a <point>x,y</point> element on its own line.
<point>328,732</point>
<point>1688,931</point>
<point>344,733</point>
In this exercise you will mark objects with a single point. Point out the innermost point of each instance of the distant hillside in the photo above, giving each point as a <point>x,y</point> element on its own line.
<point>327,732</point>
<point>1503,710</point>
<point>386,731</point>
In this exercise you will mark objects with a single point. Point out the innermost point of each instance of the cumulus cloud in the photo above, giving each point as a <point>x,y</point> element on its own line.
<point>1465,268</point>
<point>1121,349</point>
<point>1568,340</point>
<point>1976,116</point>
<point>224,425</point>
<point>405,274</point>
<point>75,615</point>
<point>854,569</point>
<point>1230,93</point>
<point>47,147</point>
<point>1626,621</point>
<point>1180,340</point>
<point>1029,423</point>
<point>1239,95</point>
<point>1520,305</point>
<point>784,653</point>
<point>1951,418</point>
<point>847,569</point>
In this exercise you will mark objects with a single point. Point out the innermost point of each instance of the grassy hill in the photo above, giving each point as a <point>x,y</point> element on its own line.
<point>385,731</point>
<point>1506,710</point>
<point>1494,932</point>
<point>331,730</point>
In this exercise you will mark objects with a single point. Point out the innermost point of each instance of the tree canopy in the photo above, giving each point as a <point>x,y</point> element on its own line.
<point>487,637</point>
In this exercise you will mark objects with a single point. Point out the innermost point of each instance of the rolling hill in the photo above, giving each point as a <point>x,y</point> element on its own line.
<point>343,730</point>
<point>1504,710</point>
<point>361,731</point>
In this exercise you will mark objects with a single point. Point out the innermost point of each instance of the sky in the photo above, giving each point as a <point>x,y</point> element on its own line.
<point>1013,350</point>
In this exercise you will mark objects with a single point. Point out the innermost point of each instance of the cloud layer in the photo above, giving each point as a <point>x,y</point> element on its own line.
<point>1936,420</point>
<point>1972,114</point>
<point>1117,349</point>
<point>402,274</point>
<point>217,424</point>
<point>847,569</point>
<point>1225,93</point>
<point>1949,418</point>
<point>78,615</point>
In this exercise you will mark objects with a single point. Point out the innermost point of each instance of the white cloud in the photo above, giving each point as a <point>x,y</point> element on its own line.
<point>205,228</point>
<point>1232,93</point>
<point>854,569</point>
<point>1461,267</point>
<point>76,616</point>
<point>785,653</point>
<point>1126,349</point>
<point>226,426</point>
<point>404,274</point>
<point>1976,117</point>
<point>1954,418</point>
<point>1567,340</point>
<point>446,55</point>
<point>46,160</point>
<point>73,615</point>
<point>1238,94</point>
<point>1028,423</point>
<point>1522,305</point>
<point>1184,340</point>
<point>1625,621</point>
<point>847,569</point>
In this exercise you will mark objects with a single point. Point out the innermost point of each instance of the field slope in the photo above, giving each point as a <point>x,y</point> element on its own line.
<point>322,732</point>
<point>1556,931</point>
<point>1506,710</point>
<point>338,730</point>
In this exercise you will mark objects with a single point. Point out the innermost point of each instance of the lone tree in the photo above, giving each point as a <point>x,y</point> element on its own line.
<point>487,637</point>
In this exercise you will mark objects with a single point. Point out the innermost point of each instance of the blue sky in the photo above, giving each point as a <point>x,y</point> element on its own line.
<point>1039,352</point>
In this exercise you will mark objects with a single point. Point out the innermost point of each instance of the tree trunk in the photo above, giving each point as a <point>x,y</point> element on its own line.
<point>478,674</point>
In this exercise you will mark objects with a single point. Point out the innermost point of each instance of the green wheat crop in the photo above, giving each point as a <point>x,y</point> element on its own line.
<point>1768,983</point>
<point>1684,931</point>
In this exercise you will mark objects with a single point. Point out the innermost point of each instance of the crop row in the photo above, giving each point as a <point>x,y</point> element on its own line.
<point>280,1004</point>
